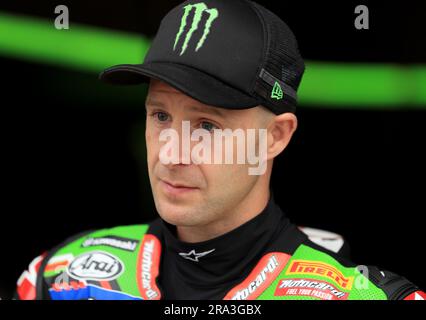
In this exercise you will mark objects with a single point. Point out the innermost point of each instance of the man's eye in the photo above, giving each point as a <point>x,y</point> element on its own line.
<point>161,116</point>
<point>208,126</point>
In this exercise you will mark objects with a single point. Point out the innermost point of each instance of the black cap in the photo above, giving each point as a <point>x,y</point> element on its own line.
<point>231,54</point>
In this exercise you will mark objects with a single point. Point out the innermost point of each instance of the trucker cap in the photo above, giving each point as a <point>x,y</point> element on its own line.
<point>232,54</point>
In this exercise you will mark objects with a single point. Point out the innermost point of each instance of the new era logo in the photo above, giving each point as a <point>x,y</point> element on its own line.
<point>199,8</point>
<point>277,92</point>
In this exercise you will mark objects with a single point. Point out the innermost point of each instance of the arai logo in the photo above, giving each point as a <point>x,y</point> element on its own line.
<point>96,265</point>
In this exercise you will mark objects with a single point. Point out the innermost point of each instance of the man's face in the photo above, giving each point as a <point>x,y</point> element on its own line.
<point>194,194</point>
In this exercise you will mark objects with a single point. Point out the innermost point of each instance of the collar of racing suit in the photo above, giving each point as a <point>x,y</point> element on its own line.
<point>206,269</point>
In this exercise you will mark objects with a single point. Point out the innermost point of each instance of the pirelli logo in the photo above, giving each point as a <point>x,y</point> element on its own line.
<point>306,267</point>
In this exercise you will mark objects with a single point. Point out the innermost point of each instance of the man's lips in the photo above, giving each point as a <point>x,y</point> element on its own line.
<point>178,184</point>
<point>176,188</point>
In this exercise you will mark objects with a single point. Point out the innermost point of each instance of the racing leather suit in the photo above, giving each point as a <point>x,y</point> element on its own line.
<point>266,258</point>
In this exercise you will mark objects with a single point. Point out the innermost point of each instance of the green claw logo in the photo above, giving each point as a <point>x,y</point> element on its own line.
<point>200,8</point>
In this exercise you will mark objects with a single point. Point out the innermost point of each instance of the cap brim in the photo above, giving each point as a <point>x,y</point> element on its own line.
<point>190,81</point>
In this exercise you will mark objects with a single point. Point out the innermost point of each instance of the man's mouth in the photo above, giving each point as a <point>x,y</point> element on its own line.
<point>176,188</point>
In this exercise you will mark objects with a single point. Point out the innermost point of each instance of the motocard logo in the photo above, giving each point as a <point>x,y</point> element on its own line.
<point>97,266</point>
<point>321,269</point>
<point>309,288</point>
<point>266,271</point>
<point>148,267</point>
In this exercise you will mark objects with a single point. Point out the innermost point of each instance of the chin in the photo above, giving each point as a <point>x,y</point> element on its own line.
<point>176,214</point>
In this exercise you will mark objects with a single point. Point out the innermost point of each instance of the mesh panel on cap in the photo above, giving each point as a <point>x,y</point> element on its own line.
<point>282,61</point>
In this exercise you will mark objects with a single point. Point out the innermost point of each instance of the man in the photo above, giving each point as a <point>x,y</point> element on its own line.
<point>214,66</point>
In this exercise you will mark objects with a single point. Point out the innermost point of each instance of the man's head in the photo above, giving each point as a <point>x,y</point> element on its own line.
<point>214,189</point>
<point>217,63</point>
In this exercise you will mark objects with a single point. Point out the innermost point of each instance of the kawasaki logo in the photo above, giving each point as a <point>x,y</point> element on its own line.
<point>111,241</point>
<point>200,8</point>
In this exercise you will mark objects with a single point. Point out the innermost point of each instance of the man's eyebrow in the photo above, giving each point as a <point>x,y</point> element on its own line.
<point>152,102</point>
<point>210,110</point>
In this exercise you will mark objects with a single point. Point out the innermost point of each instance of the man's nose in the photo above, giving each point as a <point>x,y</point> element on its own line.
<point>180,147</point>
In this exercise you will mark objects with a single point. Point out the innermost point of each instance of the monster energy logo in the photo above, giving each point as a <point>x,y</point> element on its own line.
<point>200,8</point>
<point>277,92</point>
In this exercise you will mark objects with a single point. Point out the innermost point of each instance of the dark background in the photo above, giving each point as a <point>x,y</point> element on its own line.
<point>74,154</point>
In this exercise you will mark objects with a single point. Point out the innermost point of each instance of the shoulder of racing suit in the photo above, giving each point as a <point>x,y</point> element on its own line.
<point>123,263</point>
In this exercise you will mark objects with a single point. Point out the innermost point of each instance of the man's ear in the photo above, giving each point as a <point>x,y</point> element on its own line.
<point>280,131</point>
